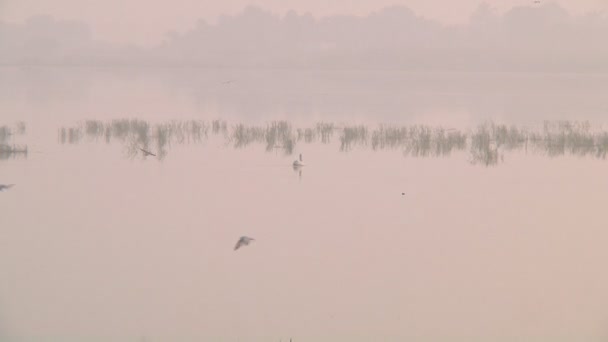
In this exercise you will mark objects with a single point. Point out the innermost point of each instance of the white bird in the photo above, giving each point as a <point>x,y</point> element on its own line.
<point>243,241</point>
<point>298,162</point>
<point>6,186</point>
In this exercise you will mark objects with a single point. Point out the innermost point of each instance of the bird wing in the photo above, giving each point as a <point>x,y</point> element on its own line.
<point>239,244</point>
<point>147,153</point>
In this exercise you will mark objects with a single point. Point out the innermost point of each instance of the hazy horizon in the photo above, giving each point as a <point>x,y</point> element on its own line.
<point>534,37</point>
<point>145,23</point>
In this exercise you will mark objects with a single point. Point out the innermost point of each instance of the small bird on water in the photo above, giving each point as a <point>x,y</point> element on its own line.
<point>6,186</point>
<point>243,241</point>
<point>298,162</point>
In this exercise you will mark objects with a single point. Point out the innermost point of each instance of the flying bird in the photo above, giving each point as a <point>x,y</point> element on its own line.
<point>147,153</point>
<point>243,241</point>
<point>5,186</point>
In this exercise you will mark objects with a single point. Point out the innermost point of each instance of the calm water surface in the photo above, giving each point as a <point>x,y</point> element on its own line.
<point>98,243</point>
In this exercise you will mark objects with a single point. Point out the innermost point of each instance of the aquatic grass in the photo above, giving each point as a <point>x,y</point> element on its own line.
<point>279,133</point>
<point>5,133</point>
<point>352,136</point>
<point>162,137</point>
<point>322,131</point>
<point>566,137</point>
<point>242,135</point>
<point>94,129</point>
<point>390,137</point>
<point>9,148</point>
<point>444,142</point>
<point>421,142</point>
<point>219,126</point>
<point>486,143</point>
<point>12,151</point>
<point>325,130</point>
<point>198,130</point>
<point>21,127</point>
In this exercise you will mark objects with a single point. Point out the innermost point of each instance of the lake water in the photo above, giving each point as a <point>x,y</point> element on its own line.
<point>432,207</point>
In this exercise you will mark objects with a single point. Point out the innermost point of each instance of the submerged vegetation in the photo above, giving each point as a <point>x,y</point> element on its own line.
<point>486,144</point>
<point>137,134</point>
<point>8,148</point>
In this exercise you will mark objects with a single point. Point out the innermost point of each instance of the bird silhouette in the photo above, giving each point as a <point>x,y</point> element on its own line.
<point>4,187</point>
<point>147,153</point>
<point>243,241</point>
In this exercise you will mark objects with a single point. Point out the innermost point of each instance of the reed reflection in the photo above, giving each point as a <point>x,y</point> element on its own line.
<point>9,141</point>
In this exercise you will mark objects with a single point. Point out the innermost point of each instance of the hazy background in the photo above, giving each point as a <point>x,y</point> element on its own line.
<point>494,36</point>
<point>98,243</point>
<point>144,22</point>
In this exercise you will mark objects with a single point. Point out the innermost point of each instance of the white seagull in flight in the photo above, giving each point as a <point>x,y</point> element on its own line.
<point>243,241</point>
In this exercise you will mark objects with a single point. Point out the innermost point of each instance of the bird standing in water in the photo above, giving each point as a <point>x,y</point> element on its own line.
<point>298,162</point>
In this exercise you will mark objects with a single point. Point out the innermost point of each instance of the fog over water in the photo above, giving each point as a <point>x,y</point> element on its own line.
<point>430,206</point>
<point>404,177</point>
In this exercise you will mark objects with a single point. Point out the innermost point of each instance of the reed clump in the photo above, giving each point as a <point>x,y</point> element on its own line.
<point>487,143</point>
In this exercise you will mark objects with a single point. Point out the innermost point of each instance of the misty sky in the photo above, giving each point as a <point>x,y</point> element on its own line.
<point>146,22</point>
